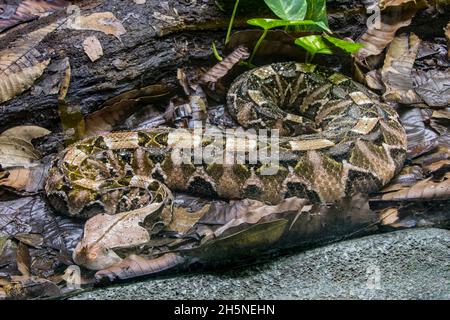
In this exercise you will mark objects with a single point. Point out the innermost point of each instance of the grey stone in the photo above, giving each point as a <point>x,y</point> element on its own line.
<point>408,264</point>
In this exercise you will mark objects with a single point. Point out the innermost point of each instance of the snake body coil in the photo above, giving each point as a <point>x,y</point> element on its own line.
<point>337,139</point>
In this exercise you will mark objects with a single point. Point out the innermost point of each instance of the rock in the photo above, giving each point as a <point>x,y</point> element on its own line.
<point>408,264</point>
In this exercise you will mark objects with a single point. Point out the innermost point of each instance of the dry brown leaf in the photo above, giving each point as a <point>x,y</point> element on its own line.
<point>184,219</point>
<point>384,4</point>
<point>16,152</point>
<point>104,233</point>
<point>21,64</point>
<point>397,70</point>
<point>423,190</point>
<point>389,216</point>
<point>104,22</point>
<point>436,167</point>
<point>23,260</point>
<point>93,48</point>
<point>433,87</point>
<point>373,80</point>
<point>375,39</point>
<point>136,266</point>
<point>27,10</point>
<point>30,239</point>
<point>65,79</point>
<point>222,68</point>
<point>26,133</point>
<point>25,180</point>
<point>119,108</point>
<point>13,84</point>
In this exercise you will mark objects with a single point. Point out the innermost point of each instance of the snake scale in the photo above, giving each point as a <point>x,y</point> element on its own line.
<point>337,139</point>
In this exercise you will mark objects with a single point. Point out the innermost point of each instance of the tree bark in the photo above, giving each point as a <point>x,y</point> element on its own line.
<point>150,52</point>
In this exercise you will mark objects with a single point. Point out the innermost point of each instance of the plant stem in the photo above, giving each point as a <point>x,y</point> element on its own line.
<point>230,26</point>
<point>258,44</point>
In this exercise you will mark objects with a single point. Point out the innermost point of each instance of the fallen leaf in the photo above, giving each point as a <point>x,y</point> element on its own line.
<point>26,133</point>
<point>397,70</point>
<point>222,68</point>
<point>379,36</point>
<point>421,139</point>
<point>104,233</point>
<point>15,78</point>
<point>374,81</point>
<point>384,4</point>
<point>119,108</point>
<point>23,260</point>
<point>93,48</point>
<point>422,190</point>
<point>16,152</point>
<point>104,22</point>
<point>25,180</point>
<point>137,266</point>
<point>389,216</point>
<point>27,10</point>
<point>30,239</point>
<point>31,215</point>
<point>433,87</point>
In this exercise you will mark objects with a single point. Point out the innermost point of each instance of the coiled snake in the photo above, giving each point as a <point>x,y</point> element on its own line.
<point>337,139</point>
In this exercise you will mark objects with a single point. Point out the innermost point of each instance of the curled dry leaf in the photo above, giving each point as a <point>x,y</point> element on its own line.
<point>21,64</point>
<point>119,108</point>
<point>23,260</point>
<point>384,4</point>
<point>16,152</point>
<point>93,48</point>
<point>104,233</point>
<point>31,215</point>
<point>397,70</point>
<point>27,10</point>
<point>137,266</point>
<point>25,173</point>
<point>433,87</point>
<point>389,216</point>
<point>26,133</point>
<point>25,180</point>
<point>420,138</point>
<point>222,68</point>
<point>422,190</point>
<point>379,35</point>
<point>104,22</point>
<point>374,81</point>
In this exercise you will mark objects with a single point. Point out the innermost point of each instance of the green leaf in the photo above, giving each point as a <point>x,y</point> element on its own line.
<point>314,44</point>
<point>317,11</point>
<point>348,46</point>
<point>288,9</point>
<point>268,24</point>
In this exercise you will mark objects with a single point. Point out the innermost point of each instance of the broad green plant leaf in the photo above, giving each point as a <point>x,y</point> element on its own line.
<point>314,44</point>
<point>317,11</point>
<point>288,9</point>
<point>268,24</point>
<point>347,46</point>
